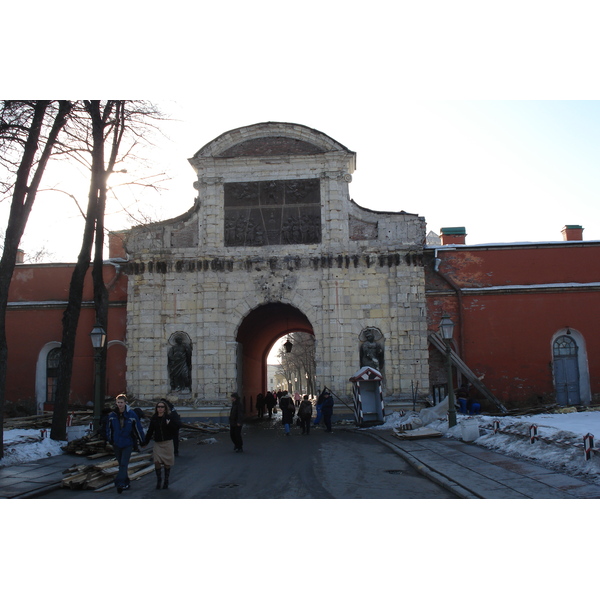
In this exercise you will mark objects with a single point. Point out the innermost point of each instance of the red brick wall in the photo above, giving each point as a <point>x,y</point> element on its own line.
<point>507,335</point>
<point>34,320</point>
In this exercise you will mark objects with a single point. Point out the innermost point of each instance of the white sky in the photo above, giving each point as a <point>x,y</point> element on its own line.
<point>506,170</point>
<point>469,116</point>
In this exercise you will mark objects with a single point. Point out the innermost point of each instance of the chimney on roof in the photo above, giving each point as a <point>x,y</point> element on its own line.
<point>572,233</point>
<point>453,235</point>
<point>20,257</point>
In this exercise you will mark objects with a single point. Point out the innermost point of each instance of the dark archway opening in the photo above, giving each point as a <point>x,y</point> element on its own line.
<point>256,335</point>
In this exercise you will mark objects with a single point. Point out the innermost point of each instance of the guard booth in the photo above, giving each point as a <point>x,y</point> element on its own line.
<point>368,397</point>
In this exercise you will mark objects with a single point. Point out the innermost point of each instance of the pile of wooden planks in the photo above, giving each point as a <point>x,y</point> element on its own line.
<point>205,427</point>
<point>44,421</point>
<point>100,476</point>
<point>91,446</point>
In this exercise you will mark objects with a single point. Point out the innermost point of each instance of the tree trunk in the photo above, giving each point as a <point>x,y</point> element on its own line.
<point>112,115</point>
<point>73,310</point>
<point>24,195</point>
<point>100,291</point>
<point>70,321</point>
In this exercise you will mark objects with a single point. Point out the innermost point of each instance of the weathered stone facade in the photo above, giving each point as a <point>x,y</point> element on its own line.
<point>208,272</point>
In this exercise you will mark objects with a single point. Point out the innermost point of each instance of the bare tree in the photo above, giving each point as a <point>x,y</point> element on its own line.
<point>298,365</point>
<point>107,133</point>
<point>29,133</point>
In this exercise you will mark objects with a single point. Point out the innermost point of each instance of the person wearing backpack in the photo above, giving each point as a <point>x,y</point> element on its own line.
<point>305,414</point>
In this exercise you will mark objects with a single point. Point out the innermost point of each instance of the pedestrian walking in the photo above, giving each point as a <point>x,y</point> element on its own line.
<point>123,431</point>
<point>163,429</point>
<point>320,400</point>
<point>236,421</point>
<point>270,403</point>
<point>260,405</point>
<point>287,411</point>
<point>327,410</point>
<point>297,399</point>
<point>305,414</point>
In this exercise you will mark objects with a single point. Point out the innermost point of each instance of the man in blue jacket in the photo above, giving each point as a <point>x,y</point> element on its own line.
<point>123,431</point>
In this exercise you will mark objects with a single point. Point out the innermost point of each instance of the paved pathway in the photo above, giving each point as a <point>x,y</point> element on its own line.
<point>466,470</point>
<point>471,471</point>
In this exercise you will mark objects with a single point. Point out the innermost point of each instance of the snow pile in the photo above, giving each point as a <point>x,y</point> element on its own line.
<point>558,440</point>
<point>27,445</point>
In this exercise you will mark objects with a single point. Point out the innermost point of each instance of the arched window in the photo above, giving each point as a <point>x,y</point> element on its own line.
<point>52,374</point>
<point>564,346</point>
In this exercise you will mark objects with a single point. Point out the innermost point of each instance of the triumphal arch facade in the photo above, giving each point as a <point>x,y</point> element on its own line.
<point>274,244</point>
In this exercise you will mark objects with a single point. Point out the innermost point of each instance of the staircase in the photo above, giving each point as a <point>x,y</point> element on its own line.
<point>438,342</point>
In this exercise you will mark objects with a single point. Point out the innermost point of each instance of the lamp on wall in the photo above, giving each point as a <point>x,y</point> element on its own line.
<point>447,328</point>
<point>98,337</point>
<point>447,331</point>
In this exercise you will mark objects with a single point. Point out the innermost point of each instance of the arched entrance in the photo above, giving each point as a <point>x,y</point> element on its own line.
<point>259,330</point>
<point>569,362</point>
<point>45,375</point>
<point>275,245</point>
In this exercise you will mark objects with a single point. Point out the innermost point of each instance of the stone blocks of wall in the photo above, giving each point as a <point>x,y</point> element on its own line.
<point>366,272</point>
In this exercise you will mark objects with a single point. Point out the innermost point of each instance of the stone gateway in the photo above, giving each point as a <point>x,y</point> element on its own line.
<point>274,244</point>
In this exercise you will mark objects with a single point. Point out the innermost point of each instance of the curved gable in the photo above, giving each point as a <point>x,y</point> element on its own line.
<point>271,146</point>
<point>270,139</point>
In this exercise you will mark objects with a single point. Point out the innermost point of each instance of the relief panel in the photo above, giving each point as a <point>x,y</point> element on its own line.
<point>262,213</point>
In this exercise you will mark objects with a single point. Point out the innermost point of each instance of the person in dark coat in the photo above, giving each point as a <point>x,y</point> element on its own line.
<point>260,405</point>
<point>123,431</point>
<point>236,421</point>
<point>140,413</point>
<point>163,429</point>
<point>287,411</point>
<point>176,419</point>
<point>270,403</point>
<point>305,414</point>
<point>327,409</point>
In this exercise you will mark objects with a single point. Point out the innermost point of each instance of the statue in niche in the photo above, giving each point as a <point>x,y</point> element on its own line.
<point>179,360</point>
<point>371,349</point>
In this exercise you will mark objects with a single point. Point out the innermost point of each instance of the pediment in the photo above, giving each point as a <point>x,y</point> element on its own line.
<point>269,139</point>
<point>271,146</point>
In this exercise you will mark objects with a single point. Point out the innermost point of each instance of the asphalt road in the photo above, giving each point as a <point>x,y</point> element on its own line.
<point>340,465</point>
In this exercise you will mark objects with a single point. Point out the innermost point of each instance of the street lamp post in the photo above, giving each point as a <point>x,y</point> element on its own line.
<point>447,330</point>
<point>98,337</point>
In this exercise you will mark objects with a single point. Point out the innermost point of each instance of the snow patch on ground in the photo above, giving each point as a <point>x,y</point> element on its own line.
<point>28,445</point>
<point>558,444</point>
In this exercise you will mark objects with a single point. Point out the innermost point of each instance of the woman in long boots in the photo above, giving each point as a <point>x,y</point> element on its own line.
<point>163,428</point>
